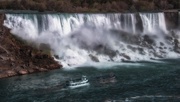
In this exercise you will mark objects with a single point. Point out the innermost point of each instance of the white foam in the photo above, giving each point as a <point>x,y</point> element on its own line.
<point>153,22</point>
<point>74,37</point>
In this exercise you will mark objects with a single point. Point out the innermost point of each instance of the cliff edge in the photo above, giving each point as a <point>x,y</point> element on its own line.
<point>17,58</point>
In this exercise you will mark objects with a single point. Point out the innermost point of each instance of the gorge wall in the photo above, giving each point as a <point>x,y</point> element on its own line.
<point>17,58</point>
<point>172,19</point>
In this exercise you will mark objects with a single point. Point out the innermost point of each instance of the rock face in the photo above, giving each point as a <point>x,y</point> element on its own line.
<point>171,23</point>
<point>94,58</point>
<point>17,58</point>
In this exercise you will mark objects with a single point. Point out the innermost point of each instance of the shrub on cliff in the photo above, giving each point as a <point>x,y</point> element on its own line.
<point>90,5</point>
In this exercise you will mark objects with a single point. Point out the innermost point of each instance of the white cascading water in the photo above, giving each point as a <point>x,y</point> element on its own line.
<point>153,22</point>
<point>179,20</point>
<point>82,38</point>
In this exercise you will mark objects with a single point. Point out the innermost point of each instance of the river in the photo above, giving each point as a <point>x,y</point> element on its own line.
<point>137,48</point>
<point>137,82</point>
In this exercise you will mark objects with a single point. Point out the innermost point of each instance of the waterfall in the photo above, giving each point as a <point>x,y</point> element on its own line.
<point>66,23</point>
<point>128,22</point>
<point>179,19</point>
<point>82,38</point>
<point>153,22</point>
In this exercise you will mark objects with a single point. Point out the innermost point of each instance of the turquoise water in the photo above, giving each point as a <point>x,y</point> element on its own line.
<point>136,82</point>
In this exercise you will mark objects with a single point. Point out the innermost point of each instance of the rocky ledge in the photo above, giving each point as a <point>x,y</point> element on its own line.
<point>18,58</point>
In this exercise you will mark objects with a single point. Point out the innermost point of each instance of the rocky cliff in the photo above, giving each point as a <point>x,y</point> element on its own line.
<point>17,58</point>
<point>172,19</point>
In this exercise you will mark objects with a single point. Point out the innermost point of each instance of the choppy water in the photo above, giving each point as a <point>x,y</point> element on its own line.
<point>136,82</point>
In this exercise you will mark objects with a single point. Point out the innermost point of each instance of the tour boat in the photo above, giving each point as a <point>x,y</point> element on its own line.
<point>107,79</point>
<point>80,83</point>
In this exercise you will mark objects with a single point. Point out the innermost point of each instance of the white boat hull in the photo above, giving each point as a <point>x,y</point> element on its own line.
<point>77,86</point>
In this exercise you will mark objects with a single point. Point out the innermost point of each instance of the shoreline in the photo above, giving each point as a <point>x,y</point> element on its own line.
<point>12,72</point>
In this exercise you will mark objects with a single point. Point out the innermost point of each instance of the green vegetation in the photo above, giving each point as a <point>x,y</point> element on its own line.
<point>90,5</point>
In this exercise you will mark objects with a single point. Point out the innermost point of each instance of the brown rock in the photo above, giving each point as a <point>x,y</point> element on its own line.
<point>11,73</point>
<point>148,39</point>
<point>55,66</point>
<point>94,58</point>
<point>18,55</point>
<point>7,73</point>
<point>23,72</point>
<point>42,69</point>
<point>3,75</point>
<point>126,56</point>
<point>31,70</point>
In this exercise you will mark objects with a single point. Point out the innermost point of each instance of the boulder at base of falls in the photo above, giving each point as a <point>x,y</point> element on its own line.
<point>158,55</point>
<point>176,46</point>
<point>23,72</point>
<point>126,56</point>
<point>94,58</point>
<point>148,39</point>
<point>141,51</point>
